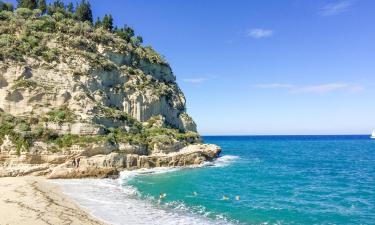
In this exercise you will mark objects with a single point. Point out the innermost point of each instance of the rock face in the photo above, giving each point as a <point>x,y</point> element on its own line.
<point>98,160</point>
<point>32,87</point>
<point>80,92</point>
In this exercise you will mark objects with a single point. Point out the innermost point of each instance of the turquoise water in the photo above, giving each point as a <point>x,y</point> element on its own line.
<point>280,180</point>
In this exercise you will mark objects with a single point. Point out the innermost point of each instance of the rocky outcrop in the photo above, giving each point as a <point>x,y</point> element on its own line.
<point>34,88</point>
<point>70,91</point>
<point>99,161</point>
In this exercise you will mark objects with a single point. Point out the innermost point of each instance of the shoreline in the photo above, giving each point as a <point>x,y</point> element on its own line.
<point>99,195</point>
<point>35,200</point>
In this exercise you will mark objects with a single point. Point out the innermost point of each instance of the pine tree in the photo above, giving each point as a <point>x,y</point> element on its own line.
<point>98,22</point>
<point>30,4</point>
<point>8,6</point>
<point>56,6</point>
<point>42,6</point>
<point>108,22</point>
<point>125,33</point>
<point>137,41</point>
<point>70,7</point>
<point>83,11</point>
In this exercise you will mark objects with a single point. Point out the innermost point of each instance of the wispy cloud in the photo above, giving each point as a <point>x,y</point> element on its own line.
<point>316,89</point>
<point>335,8</point>
<point>197,80</point>
<point>325,88</point>
<point>273,86</point>
<point>260,33</point>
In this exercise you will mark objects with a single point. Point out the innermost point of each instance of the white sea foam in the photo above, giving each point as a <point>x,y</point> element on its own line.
<point>222,161</point>
<point>115,202</point>
<point>118,204</point>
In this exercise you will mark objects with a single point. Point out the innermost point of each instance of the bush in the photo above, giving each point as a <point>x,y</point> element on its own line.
<point>24,12</point>
<point>60,115</point>
<point>44,24</point>
<point>24,127</point>
<point>5,15</point>
<point>37,12</point>
<point>58,16</point>
<point>28,84</point>
<point>51,55</point>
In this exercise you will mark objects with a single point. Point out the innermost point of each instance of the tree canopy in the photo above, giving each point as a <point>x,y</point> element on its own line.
<point>84,12</point>
<point>107,22</point>
<point>6,6</point>
<point>42,5</point>
<point>30,4</point>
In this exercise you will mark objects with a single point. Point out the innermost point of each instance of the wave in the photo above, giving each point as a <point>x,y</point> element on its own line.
<point>222,161</point>
<point>116,202</point>
<point>106,200</point>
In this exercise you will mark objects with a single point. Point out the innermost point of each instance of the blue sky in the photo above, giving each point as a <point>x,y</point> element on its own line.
<point>264,67</point>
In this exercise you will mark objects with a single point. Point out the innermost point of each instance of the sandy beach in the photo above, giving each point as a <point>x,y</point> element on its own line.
<point>35,200</point>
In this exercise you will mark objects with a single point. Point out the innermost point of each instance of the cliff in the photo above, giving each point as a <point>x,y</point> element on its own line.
<point>80,101</point>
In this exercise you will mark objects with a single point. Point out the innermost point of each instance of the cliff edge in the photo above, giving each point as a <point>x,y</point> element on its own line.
<point>78,100</point>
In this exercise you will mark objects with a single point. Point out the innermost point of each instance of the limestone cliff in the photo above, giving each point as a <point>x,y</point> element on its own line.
<point>70,91</point>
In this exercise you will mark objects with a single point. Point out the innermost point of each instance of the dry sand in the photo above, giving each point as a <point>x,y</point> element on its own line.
<point>35,200</point>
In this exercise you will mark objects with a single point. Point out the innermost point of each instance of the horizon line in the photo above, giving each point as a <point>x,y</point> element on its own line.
<point>285,135</point>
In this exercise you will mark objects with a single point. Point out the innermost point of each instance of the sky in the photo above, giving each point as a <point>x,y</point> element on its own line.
<point>264,67</point>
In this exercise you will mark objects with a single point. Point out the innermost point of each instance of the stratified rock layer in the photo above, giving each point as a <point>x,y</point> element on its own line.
<point>79,101</point>
<point>99,161</point>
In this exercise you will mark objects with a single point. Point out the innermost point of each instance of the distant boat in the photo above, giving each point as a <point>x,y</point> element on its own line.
<point>373,135</point>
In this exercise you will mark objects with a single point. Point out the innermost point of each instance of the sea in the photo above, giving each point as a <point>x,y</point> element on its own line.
<point>256,180</point>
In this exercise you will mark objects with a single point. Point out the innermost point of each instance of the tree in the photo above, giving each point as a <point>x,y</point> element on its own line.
<point>98,22</point>
<point>108,22</point>
<point>84,12</point>
<point>70,7</point>
<point>56,6</point>
<point>6,6</point>
<point>137,41</point>
<point>30,4</point>
<point>125,33</point>
<point>42,6</point>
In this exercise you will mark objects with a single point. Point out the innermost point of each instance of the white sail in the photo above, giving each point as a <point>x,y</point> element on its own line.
<point>373,134</point>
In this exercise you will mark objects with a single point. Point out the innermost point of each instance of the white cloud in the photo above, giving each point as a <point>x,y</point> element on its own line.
<point>335,8</point>
<point>260,33</point>
<point>316,89</point>
<point>198,80</point>
<point>325,88</point>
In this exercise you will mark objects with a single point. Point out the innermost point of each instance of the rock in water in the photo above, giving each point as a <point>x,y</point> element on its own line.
<point>78,101</point>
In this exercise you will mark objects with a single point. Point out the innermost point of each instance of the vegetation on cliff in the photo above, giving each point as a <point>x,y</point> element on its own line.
<point>80,98</point>
<point>26,31</point>
<point>58,34</point>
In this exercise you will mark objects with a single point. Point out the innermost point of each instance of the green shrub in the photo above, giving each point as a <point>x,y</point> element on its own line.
<point>5,15</point>
<point>23,126</point>
<point>51,54</point>
<point>44,24</point>
<point>58,16</point>
<point>60,115</point>
<point>28,84</point>
<point>24,12</point>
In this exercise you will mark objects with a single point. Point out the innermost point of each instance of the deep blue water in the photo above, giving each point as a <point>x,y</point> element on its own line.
<point>280,180</point>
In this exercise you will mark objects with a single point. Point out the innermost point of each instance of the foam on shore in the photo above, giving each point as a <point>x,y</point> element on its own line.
<point>115,202</point>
